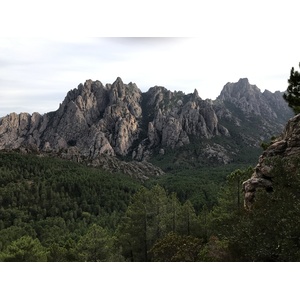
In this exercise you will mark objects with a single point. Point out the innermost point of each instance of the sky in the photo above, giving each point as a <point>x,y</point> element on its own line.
<point>181,47</point>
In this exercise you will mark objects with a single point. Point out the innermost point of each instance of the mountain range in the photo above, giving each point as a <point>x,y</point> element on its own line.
<point>107,124</point>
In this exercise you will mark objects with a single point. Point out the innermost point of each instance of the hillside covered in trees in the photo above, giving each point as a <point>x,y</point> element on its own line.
<point>56,210</point>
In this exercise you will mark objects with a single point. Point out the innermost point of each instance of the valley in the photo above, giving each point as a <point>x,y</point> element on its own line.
<point>116,174</point>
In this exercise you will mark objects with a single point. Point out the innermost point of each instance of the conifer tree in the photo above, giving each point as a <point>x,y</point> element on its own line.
<point>24,249</point>
<point>292,95</point>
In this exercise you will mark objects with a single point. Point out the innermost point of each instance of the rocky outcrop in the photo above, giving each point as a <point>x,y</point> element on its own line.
<point>251,101</point>
<point>257,115</point>
<point>21,130</point>
<point>95,119</point>
<point>140,170</point>
<point>286,146</point>
<point>98,119</point>
<point>118,120</point>
<point>174,117</point>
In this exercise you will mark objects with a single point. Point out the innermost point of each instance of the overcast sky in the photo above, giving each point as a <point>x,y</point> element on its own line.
<point>43,56</point>
<point>44,53</point>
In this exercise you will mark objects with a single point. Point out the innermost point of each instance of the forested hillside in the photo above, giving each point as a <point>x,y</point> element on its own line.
<point>48,205</point>
<point>56,210</point>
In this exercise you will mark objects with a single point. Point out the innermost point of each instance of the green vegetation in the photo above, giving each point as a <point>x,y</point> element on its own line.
<point>56,210</point>
<point>270,231</point>
<point>292,95</point>
<point>200,186</point>
<point>193,177</point>
<point>265,145</point>
<point>57,203</point>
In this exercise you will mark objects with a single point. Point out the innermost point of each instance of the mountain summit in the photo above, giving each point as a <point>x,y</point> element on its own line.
<point>119,120</point>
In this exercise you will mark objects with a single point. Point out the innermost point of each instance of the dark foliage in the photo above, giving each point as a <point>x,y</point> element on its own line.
<point>57,201</point>
<point>55,210</point>
<point>292,95</point>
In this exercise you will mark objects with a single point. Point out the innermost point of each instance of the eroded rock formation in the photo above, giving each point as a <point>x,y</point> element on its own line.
<point>118,120</point>
<point>286,146</point>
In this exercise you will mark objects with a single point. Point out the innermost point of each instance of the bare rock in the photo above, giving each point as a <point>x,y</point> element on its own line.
<point>119,120</point>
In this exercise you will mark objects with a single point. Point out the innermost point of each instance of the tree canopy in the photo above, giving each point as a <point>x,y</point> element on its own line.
<point>54,210</point>
<point>292,95</point>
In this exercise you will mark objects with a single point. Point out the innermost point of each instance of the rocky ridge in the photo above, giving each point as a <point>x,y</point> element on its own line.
<point>244,105</point>
<point>286,146</point>
<point>118,120</point>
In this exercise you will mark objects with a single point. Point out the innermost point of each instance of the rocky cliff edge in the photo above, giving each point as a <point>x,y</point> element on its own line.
<point>286,146</point>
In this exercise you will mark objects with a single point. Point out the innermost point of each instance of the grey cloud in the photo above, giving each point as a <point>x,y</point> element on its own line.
<point>13,62</point>
<point>30,101</point>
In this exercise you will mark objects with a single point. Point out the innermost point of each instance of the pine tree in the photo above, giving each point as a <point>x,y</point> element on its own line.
<point>292,95</point>
<point>25,249</point>
<point>95,245</point>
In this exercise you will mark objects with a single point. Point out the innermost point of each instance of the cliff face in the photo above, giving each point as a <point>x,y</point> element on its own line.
<point>286,146</point>
<point>109,119</point>
<point>119,120</point>
<point>171,118</point>
<point>93,118</point>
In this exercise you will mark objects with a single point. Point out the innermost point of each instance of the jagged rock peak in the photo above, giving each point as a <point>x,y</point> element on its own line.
<point>118,83</point>
<point>243,82</point>
<point>239,88</point>
<point>250,100</point>
<point>118,80</point>
<point>196,93</point>
<point>118,119</point>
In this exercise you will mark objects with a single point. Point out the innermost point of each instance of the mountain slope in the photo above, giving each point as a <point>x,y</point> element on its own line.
<point>255,115</point>
<point>118,120</point>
